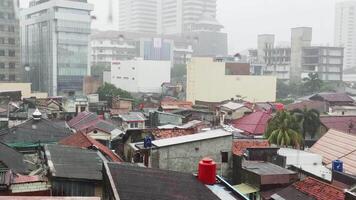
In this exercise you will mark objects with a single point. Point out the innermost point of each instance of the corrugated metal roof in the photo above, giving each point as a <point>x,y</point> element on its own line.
<point>192,138</point>
<point>132,116</point>
<point>335,145</point>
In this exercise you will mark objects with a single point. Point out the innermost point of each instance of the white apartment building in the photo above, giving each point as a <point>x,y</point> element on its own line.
<point>55,45</point>
<point>138,16</point>
<point>345,31</point>
<point>140,76</point>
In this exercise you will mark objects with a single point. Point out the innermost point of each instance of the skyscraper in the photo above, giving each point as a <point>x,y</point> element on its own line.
<point>10,63</point>
<point>138,15</point>
<point>181,15</point>
<point>55,45</point>
<point>345,31</point>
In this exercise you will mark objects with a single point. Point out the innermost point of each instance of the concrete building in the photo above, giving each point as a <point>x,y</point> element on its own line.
<point>326,61</point>
<point>140,76</point>
<point>55,45</point>
<point>138,16</point>
<point>301,37</point>
<point>10,58</point>
<point>207,81</point>
<point>278,62</point>
<point>344,31</point>
<point>265,42</point>
<point>181,16</point>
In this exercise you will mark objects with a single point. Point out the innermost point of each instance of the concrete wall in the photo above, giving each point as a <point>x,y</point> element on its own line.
<point>140,75</point>
<point>185,157</point>
<point>25,89</point>
<point>206,81</point>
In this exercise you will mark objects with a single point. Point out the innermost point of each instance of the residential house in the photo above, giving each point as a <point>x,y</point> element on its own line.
<point>320,106</point>
<point>253,124</point>
<point>95,127</point>
<point>344,124</point>
<point>75,105</point>
<point>170,104</point>
<point>233,111</point>
<point>336,145</point>
<point>183,152</point>
<point>197,114</point>
<point>74,171</point>
<point>135,183</point>
<point>310,189</point>
<point>120,106</point>
<point>343,110</point>
<point>132,121</point>
<point>82,140</point>
<point>333,99</point>
<point>158,118</point>
<point>259,178</point>
<point>169,131</point>
<point>34,132</point>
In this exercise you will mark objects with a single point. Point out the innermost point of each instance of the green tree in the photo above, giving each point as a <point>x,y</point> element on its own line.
<point>312,83</point>
<point>283,130</point>
<point>309,120</point>
<point>108,91</point>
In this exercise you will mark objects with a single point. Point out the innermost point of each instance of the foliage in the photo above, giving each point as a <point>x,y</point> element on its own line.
<point>283,89</point>
<point>312,84</point>
<point>107,91</point>
<point>98,70</point>
<point>284,130</point>
<point>309,121</point>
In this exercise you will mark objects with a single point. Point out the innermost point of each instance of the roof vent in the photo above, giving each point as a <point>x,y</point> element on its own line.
<point>37,115</point>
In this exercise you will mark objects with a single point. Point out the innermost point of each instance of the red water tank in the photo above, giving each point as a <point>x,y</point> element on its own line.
<point>279,106</point>
<point>207,171</point>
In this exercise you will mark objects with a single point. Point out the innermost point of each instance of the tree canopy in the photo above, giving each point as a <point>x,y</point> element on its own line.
<point>108,91</point>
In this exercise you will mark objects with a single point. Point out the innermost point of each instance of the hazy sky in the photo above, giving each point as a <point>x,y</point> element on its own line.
<point>245,19</point>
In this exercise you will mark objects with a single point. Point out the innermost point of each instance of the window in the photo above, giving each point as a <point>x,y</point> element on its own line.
<point>2,65</point>
<point>224,157</point>
<point>2,77</point>
<point>2,41</point>
<point>12,77</point>
<point>2,28</point>
<point>134,125</point>
<point>10,16</point>
<point>12,53</point>
<point>12,65</point>
<point>133,78</point>
<point>133,68</point>
<point>11,28</point>
<point>2,52</point>
<point>11,41</point>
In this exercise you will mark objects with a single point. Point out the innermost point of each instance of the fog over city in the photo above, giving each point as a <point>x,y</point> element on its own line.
<point>245,19</point>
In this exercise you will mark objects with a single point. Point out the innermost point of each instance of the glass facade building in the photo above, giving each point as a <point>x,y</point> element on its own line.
<point>55,36</point>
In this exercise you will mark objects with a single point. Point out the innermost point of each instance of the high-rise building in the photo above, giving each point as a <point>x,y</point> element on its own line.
<point>301,37</point>
<point>345,31</point>
<point>138,16</point>
<point>10,59</point>
<point>181,15</point>
<point>55,45</point>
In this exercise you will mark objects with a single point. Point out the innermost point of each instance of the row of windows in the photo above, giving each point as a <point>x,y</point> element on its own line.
<point>9,28</point>
<point>11,53</point>
<point>12,77</point>
<point>4,15</point>
<point>9,40</point>
<point>12,65</point>
<point>8,3</point>
<point>126,78</point>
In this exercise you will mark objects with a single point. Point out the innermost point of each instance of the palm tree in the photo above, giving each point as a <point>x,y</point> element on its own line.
<point>283,130</point>
<point>309,120</point>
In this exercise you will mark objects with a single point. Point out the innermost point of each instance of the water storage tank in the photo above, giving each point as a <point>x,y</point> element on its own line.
<point>207,171</point>
<point>338,166</point>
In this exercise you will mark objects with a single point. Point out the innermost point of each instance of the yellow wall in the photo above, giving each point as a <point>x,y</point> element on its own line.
<point>25,89</point>
<point>206,81</point>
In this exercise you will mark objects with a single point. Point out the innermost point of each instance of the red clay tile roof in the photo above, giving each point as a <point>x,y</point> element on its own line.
<point>317,105</point>
<point>27,179</point>
<point>254,123</point>
<point>78,118</point>
<point>170,133</point>
<point>319,190</point>
<point>82,140</point>
<point>340,123</point>
<point>176,104</point>
<point>335,145</point>
<point>239,146</point>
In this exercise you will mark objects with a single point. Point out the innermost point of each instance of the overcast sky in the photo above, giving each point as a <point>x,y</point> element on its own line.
<point>245,19</point>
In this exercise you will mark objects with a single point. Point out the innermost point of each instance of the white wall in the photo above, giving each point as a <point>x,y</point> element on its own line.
<point>140,75</point>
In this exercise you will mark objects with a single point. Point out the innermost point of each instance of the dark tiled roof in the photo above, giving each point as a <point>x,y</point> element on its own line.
<point>12,159</point>
<point>240,145</point>
<point>311,188</point>
<point>254,123</point>
<point>73,162</point>
<point>82,119</point>
<point>82,140</point>
<point>33,132</point>
<point>333,97</point>
<point>136,183</point>
<point>317,105</point>
<point>346,124</point>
